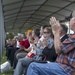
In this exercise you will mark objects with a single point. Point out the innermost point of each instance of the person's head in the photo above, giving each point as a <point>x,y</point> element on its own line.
<point>29,34</point>
<point>63,29</point>
<point>13,42</point>
<point>20,37</point>
<point>42,29</point>
<point>72,20</point>
<point>33,33</point>
<point>36,34</point>
<point>25,36</point>
<point>72,24</point>
<point>47,32</point>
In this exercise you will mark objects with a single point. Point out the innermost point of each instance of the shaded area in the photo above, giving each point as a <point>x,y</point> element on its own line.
<point>21,15</point>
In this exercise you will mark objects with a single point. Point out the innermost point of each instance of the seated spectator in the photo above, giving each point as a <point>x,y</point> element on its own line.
<point>47,37</point>
<point>24,44</point>
<point>65,62</point>
<point>11,49</point>
<point>24,62</point>
<point>49,53</point>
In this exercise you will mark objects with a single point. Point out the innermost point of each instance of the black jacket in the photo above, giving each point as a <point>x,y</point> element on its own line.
<point>50,53</point>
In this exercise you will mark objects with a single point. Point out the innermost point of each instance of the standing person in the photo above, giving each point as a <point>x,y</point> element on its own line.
<point>65,62</point>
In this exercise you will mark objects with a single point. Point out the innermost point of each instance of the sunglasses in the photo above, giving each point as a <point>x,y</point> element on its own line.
<point>46,32</point>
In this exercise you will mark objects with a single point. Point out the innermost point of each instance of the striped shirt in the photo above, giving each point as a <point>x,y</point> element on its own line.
<point>67,58</point>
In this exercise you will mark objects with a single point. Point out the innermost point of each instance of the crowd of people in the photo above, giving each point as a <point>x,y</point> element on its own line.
<point>47,50</point>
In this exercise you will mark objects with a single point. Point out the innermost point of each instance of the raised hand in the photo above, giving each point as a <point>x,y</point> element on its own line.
<point>55,25</point>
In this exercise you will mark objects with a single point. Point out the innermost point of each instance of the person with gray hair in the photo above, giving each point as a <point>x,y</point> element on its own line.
<point>65,62</point>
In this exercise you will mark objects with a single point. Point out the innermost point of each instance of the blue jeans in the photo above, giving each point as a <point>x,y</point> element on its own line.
<point>21,65</point>
<point>51,68</point>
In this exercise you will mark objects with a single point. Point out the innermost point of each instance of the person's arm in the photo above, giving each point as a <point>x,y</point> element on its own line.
<point>28,49</point>
<point>64,47</point>
<point>57,43</point>
<point>56,31</point>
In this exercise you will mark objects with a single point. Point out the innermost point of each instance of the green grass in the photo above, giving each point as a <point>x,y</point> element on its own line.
<point>10,72</point>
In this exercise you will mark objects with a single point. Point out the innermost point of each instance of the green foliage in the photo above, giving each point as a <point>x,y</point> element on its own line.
<point>10,36</point>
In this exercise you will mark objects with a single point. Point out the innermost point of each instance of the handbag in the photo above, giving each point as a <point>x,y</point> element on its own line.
<point>5,67</point>
<point>30,54</point>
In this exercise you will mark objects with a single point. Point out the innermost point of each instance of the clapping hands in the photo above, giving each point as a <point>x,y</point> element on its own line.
<point>55,25</point>
<point>44,43</point>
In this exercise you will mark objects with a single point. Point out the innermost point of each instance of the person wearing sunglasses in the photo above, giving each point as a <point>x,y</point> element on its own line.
<point>65,62</point>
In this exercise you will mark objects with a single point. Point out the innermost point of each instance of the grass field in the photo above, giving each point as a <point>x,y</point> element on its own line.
<point>10,72</point>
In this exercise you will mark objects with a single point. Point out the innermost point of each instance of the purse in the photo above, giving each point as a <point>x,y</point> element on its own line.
<point>30,54</point>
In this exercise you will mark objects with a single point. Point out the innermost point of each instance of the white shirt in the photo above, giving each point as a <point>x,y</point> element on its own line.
<point>18,44</point>
<point>42,37</point>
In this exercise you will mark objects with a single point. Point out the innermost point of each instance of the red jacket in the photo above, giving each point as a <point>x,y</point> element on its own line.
<point>25,43</point>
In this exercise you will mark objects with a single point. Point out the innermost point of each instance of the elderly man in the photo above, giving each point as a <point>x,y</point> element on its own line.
<point>65,62</point>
